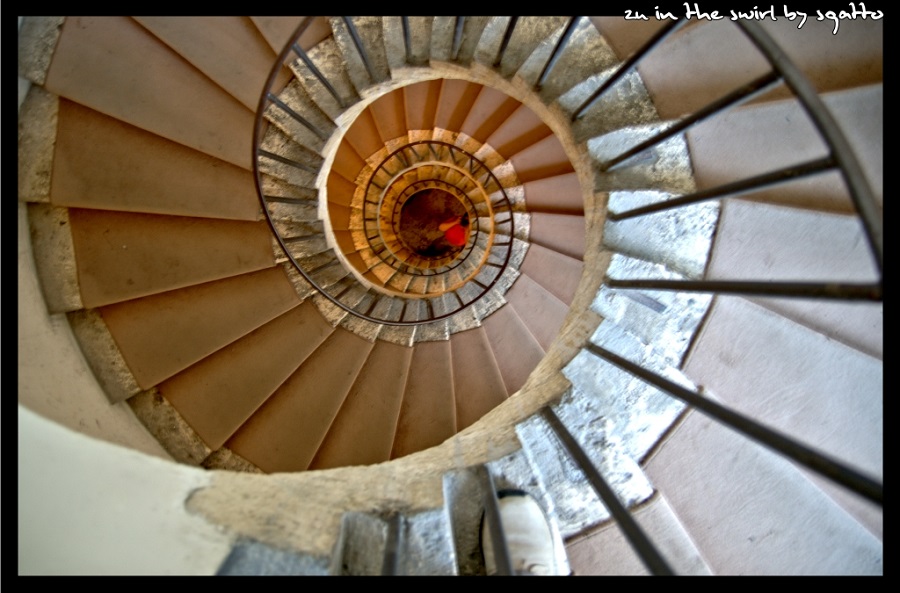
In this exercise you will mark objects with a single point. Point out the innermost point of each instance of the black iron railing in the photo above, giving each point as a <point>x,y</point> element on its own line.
<point>454,282</point>
<point>840,157</point>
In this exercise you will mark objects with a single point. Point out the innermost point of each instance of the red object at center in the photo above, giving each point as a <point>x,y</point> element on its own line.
<point>456,235</point>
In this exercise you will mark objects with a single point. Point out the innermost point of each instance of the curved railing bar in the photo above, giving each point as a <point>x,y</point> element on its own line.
<point>490,178</point>
<point>840,152</point>
<point>267,98</point>
<point>860,192</point>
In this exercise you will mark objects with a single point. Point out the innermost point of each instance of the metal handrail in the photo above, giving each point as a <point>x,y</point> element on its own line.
<point>482,288</point>
<point>840,156</point>
<point>504,204</point>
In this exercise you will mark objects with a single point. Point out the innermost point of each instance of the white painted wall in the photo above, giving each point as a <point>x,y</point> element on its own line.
<point>87,507</point>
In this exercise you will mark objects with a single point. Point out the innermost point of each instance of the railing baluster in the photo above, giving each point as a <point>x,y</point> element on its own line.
<point>391,563</point>
<point>306,123</point>
<point>300,238</point>
<point>457,37</point>
<point>852,172</point>
<point>732,99</point>
<point>285,200</point>
<point>822,464</point>
<point>404,21</point>
<point>732,189</point>
<point>319,76</point>
<point>557,52</point>
<point>648,553</point>
<point>628,64</point>
<point>499,546</point>
<point>506,37</point>
<point>823,290</point>
<point>286,161</point>
<point>357,41</point>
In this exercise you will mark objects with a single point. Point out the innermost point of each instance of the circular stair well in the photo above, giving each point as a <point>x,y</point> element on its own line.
<point>312,288</point>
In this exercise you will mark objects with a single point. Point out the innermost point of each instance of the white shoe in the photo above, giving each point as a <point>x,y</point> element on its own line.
<point>529,539</point>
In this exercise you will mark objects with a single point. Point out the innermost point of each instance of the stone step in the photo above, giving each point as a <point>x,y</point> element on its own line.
<point>563,233</point>
<point>777,134</point>
<point>585,54</point>
<point>544,158</point>
<point>605,551</point>
<point>443,42</point>
<point>665,166</point>
<point>487,113</point>
<point>231,51</point>
<point>555,271</point>
<point>797,381</point>
<point>428,411</point>
<point>389,113</point>
<point>639,414</point>
<point>107,257</point>
<point>515,349</point>
<point>368,65</point>
<point>67,393</point>
<point>304,163</point>
<point>219,393</point>
<point>560,194</point>
<point>530,34</point>
<point>163,334</point>
<point>95,63</point>
<point>663,319</point>
<point>421,100</point>
<point>277,30</point>
<point>464,492</point>
<point>751,512</point>
<point>296,114</point>
<point>96,161</point>
<point>477,382</point>
<point>542,312</point>
<point>285,433</point>
<point>326,59</point>
<point>756,240</point>
<point>848,59</point>
<point>577,506</point>
<point>679,238</point>
<point>421,543</point>
<point>370,411</point>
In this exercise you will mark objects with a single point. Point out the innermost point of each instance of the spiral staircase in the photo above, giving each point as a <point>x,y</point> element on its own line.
<point>219,273</point>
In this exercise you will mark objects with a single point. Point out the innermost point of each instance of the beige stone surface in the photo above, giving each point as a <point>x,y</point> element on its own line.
<point>50,232</point>
<point>38,120</point>
<point>38,36</point>
<point>169,427</point>
<point>54,379</point>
